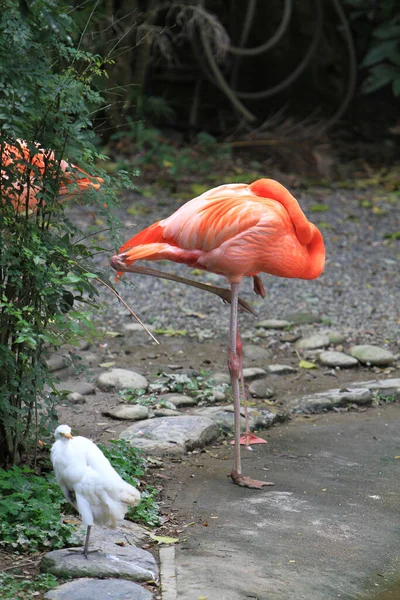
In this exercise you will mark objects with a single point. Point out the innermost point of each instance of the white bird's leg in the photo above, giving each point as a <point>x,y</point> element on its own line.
<point>86,547</point>
<point>234,365</point>
<point>85,550</point>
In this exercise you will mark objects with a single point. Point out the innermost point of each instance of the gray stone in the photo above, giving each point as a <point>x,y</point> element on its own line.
<point>273,324</point>
<point>330,399</point>
<point>218,396</point>
<point>56,362</point>
<point>386,388</point>
<point>372,355</point>
<point>337,359</point>
<point>281,370</point>
<point>259,417</point>
<point>336,337</point>
<point>128,412</point>
<point>381,384</point>
<point>313,342</point>
<point>252,352</point>
<point>85,588</point>
<point>89,359</point>
<point>178,399</point>
<point>76,398</point>
<point>166,412</point>
<point>106,539</point>
<point>219,378</point>
<point>289,337</point>
<point>303,318</point>
<point>251,373</point>
<point>261,388</point>
<point>122,379</point>
<point>81,387</point>
<point>127,562</point>
<point>171,435</point>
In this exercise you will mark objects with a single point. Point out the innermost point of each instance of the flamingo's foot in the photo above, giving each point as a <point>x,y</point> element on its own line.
<point>248,439</point>
<point>243,481</point>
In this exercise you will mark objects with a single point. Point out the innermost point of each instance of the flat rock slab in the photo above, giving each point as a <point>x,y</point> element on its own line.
<point>281,370</point>
<point>219,378</point>
<point>122,379</point>
<point>125,412</point>
<point>127,562</point>
<point>259,417</point>
<point>99,589</point>
<point>128,533</point>
<point>313,342</point>
<point>337,359</point>
<point>251,373</point>
<point>80,387</point>
<point>178,399</point>
<point>330,399</point>
<point>303,318</point>
<point>372,355</point>
<point>252,352</point>
<point>273,324</point>
<point>171,435</point>
<point>262,388</point>
<point>383,387</point>
<point>381,384</point>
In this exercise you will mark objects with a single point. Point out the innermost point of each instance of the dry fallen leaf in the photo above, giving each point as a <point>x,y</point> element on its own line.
<point>161,539</point>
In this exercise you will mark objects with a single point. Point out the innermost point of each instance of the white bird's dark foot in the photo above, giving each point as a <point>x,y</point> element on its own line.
<point>80,551</point>
<point>243,481</point>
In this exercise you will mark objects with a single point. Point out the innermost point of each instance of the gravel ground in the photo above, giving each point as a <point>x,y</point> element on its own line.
<point>358,291</point>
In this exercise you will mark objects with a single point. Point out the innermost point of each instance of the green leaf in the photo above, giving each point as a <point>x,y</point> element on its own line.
<point>379,53</point>
<point>319,207</point>
<point>305,364</point>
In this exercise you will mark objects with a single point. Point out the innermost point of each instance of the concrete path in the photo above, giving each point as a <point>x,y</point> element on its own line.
<point>328,530</point>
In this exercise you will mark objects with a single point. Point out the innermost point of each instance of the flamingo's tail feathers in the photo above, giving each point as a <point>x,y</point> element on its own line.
<point>269,188</point>
<point>150,235</point>
<point>147,252</point>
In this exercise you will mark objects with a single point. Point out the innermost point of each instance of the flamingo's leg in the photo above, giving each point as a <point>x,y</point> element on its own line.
<point>234,369</point>
<point>248,438</point>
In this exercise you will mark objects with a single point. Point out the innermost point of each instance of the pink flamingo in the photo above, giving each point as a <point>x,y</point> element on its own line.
<point>31,166</point>
<point>236,230</point>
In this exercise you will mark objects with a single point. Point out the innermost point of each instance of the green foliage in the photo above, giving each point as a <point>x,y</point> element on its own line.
<point>30,509</point>
<point>14,588</point>
<point>130,463</point>
<point>383,58</point>
<point>47,280</point>
<point>201,387</point>
<point>156,153</point>
<point>378,28</point>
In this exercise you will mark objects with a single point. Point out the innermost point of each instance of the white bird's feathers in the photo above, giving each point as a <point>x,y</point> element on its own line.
<point>88,480</point>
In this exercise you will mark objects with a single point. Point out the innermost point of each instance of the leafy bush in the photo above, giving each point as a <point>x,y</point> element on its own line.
<point>47,99</point>
<point>377,33</point>
<point>130,463</point>
<point>383,58</point>
<point>30,509</point>
<point>13,588</point>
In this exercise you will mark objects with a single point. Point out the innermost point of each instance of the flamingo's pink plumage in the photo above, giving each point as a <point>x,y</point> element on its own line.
<point>235,230</point>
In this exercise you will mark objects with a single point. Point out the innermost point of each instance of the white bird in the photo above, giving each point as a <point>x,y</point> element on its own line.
<point>89,482</point>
